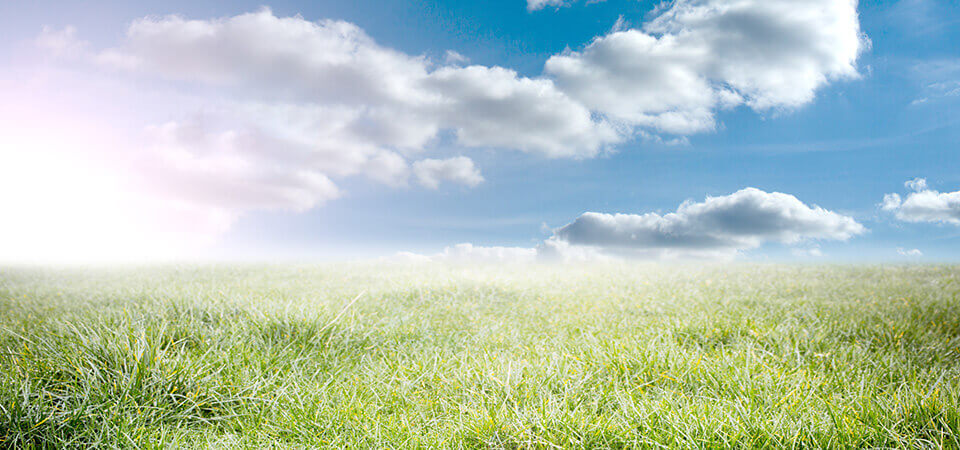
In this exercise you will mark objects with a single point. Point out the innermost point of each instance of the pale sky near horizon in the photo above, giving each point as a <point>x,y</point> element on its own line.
<point>818,130</point>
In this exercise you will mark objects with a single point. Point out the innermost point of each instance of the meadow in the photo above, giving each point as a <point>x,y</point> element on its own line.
<point>431,356</point>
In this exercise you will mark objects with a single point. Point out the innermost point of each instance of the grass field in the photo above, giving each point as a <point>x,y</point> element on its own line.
<point>432,356</point>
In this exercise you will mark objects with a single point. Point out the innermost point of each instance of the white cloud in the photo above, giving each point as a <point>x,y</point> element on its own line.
<point>716,227</point>
<point>535,5</point>
<point>890,202</point>
<point>924,204</point>
<point>698,56</point>
<point>460,170</point>
<point>910,253</point>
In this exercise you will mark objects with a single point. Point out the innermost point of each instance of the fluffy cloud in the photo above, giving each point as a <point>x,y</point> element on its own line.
<point>460,170</point>
<point>698,56</point>
<point>923,204</point>
<point>718,226</point>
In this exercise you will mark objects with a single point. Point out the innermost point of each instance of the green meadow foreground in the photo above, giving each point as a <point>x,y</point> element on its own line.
<point>434,356</point>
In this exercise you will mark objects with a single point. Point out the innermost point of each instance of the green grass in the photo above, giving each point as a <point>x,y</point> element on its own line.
<point>613,356</point>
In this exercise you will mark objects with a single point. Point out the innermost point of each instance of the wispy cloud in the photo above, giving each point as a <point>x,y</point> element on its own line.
<point>939,80</point>
<point>536,5</point>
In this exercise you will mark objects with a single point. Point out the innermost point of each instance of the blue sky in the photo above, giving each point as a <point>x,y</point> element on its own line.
<point>865,131</point>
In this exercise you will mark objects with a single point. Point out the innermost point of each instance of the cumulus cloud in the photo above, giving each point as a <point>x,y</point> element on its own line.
<point>923,204</point>
<point>717,227</point>
<point>698,56</point>
<point>460,170</point>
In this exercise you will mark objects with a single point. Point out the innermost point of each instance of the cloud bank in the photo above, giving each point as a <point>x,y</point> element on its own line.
<point>718,227</point>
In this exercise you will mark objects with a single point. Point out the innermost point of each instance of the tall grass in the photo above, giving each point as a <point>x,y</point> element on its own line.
<point>511,357</point>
